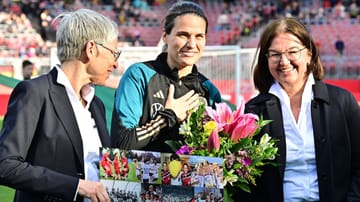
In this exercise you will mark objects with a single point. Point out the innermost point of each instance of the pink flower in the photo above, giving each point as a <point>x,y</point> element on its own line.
<point>245,127</point>
<point>222,115</point>
<point>214,141</point>
<point>235,124</point>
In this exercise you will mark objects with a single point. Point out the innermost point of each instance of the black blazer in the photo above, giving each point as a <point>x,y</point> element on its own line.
<point>336,122</point>
<point>41,151</point>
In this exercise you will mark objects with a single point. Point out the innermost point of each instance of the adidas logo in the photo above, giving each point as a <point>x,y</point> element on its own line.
<point>159,94</point>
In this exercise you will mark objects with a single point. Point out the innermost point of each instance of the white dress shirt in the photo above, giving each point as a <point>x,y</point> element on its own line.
<point>300,179</point>
<point>88,130</point>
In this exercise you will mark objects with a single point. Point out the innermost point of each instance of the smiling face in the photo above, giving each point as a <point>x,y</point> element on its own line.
<point>289,71</point>
<point>186,41</point>
<point>185,168</point>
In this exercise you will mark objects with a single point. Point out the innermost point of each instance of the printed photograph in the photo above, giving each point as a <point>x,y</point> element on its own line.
<point>208,194</point>
<point>114,164</point>
<point>151,192</point>
<point>122,190</point>
<point>195,171</point>
<point>146,166</point>
<point>176,193</point>
<point>154,176</point>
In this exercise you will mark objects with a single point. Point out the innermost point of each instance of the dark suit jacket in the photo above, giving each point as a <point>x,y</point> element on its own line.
<point>336,123</point>
<point>41,151</point>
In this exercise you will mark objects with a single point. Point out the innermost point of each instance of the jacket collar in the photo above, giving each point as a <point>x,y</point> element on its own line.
<point>321,92</point>
<point>60,100</point>
<point>161,66</point>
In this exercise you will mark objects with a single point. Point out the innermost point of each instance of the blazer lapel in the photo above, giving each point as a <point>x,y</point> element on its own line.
<point>66,115</point>
<point>99,118</point>
<point>320,112</point>
<point>277,131</point>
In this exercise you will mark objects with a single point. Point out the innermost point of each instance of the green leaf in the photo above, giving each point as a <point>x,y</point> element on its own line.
<point>227,195</point>
<point>244,187</point>
<point>174,145</point>
<point>241,144</point>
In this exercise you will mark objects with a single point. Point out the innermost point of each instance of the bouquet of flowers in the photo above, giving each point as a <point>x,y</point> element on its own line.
<point>230,135</point>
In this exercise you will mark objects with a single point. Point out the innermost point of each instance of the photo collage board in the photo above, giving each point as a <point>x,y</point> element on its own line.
<point>135,175</point>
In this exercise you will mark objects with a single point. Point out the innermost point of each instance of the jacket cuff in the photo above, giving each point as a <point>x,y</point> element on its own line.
<point>169,115</point>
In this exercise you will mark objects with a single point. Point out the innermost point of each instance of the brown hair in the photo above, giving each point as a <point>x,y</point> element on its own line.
<point>262,76</point>
<point>181,8</point>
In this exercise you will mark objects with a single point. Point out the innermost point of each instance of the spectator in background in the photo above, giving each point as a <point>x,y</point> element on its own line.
<point>154,97</point>
<point>316,124</point>
<point>54,126</point>
<point>353,11</point>
<point>339,45</point>
<point>137,41</point>
<point>339,9</point>
<point>223,21</point>
<point>27,69</point>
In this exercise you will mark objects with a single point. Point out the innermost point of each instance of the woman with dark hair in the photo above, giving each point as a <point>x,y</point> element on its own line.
<point>165,174</point>
<point>316,124</point>
<point>186,175</point>
<point>154,97</point>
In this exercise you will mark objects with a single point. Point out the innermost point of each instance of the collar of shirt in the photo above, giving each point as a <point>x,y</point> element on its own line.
<point>87,91</point>
<point>307,95</point>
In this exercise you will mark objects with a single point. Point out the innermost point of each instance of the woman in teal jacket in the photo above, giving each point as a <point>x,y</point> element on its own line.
<point>154,97</point>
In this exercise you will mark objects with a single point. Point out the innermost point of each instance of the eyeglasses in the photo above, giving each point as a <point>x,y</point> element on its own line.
<point>116,53</point>
<point>292,55</point>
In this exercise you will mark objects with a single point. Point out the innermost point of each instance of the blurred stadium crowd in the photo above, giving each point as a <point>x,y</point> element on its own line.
<point>26,30</point>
